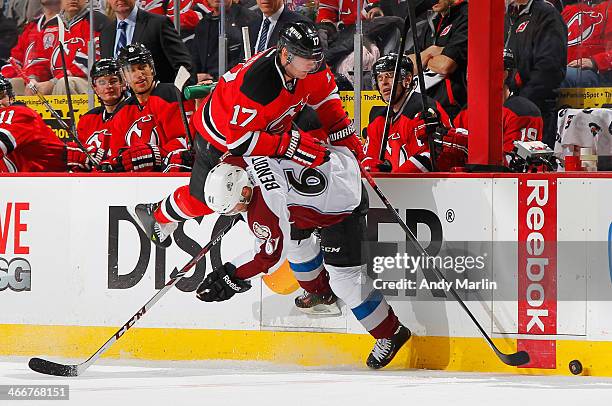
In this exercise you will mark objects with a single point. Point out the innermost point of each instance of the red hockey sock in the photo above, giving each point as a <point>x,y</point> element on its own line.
<point>180,206</point>
<point>319,285</point>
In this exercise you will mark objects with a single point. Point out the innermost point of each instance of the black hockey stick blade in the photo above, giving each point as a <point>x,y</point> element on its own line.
<point>51,368</point>
<point>514,360</point>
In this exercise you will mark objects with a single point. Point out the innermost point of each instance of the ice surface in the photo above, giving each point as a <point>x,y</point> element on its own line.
<point>223,383</point>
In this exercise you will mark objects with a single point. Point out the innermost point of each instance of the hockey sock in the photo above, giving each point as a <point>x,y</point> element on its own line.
<point>180,206</point>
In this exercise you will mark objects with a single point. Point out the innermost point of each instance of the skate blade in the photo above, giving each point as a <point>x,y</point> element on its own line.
<point>321,310</point>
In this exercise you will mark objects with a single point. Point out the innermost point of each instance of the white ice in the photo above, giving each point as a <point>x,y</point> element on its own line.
<point>131,383</point>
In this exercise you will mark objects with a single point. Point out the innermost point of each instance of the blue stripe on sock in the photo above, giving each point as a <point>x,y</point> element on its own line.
<point>368,306</point>
<point>307,266</point>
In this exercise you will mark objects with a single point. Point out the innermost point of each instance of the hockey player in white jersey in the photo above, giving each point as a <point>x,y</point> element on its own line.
<point>279,197</point>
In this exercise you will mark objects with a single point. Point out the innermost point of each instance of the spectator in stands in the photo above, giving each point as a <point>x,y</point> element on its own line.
<point>444,49</point>
<point>33,51</point>
<point>266,27</point>
<point>205,47</point>
<point>537,35</point>
<point>74,28</point>
<point>405,151</point>
<point>23,11</point>
<point>588,41</point>
<point>191,12</point>
<point>154,31</point>
<point>8,36</point>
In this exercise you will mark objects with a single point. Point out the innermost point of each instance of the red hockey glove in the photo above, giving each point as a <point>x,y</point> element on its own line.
<point>376,165</point>
<point>426,124</point>
<point>347,137</point>
<point>180,160</point>
<point>137,158</point>
<point>302,148</point>
<point>76,159</point>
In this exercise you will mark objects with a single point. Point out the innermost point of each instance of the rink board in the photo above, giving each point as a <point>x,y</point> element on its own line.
<point>90,269</point>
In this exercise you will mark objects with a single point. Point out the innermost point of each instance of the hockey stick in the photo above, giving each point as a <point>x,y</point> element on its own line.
<point>421,76</point>
<point>67,85</point>
<point>52,111</point>
<point>52,368</point>
<point>514,359</point>
<point>182,77</point>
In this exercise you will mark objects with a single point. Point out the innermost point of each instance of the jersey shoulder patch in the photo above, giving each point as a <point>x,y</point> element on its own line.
<point>165,91</point>
<point>522,106</point>
<point>262,82</point>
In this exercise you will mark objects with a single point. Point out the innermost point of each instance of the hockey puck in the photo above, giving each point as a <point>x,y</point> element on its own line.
<point>575,367</point>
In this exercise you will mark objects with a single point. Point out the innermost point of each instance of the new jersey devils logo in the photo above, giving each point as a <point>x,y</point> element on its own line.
<point>522,26</point>
<point>97,138</point>
<point>283,122</point>
<point>143,129</point>
<point>71,47</point>
<point>446,30</point>
<point>595,129</point>
<point>581,26</point>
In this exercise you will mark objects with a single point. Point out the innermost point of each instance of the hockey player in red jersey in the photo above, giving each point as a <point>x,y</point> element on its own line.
<point>94,128</point>
<point>521,121</point>
<point>277,202</point>
<point>148,129</point>
<point>27,144</point>
<point>251,112</point>
<point>191,11</point>
<point>406,152</point>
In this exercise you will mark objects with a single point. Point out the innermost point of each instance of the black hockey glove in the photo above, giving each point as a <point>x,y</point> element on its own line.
<point>221,284</point>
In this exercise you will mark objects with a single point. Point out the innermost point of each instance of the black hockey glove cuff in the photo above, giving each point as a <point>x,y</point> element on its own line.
<point>221,284</point>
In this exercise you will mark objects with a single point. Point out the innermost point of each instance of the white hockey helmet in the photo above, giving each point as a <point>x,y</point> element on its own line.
<point>223,187</point>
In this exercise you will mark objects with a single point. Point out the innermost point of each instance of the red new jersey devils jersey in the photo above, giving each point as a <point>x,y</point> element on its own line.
<point>405,151</point>
<point>252,103</point>
<point>157,122</point>
<point>588,33</point>
<point>94,127</point>
<point>191,11</point>
<point>27,144</point>
<point>76,39</point>
<point>33,51</point>
<point>521,121</point>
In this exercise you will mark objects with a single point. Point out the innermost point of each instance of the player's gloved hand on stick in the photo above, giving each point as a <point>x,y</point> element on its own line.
<point>221,284</point>
<point>180,160</point>
<point>376,165</point>
<point>426,124</point>
<point>137,158</point>
<point>77,159</point>
<point>347,137</point>
<point>302,148</point>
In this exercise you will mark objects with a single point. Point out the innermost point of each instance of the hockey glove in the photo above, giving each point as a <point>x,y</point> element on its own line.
<point>77,160</point>
<point>180,160</point>
<point>138,158</point>
<point>302,148</point>
<point>376,165</point>
<point>426,124</point>
<point>221,284</point>
<point>346,137</point>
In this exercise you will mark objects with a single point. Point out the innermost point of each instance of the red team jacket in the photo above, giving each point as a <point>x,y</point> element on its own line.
<point>76,39</point>
<point>27,144</point>
<point>191,11</point>
<point>251,105</point>
<point>33,51</point>
<point>281,200</point>
<point>588,33</point>
<point>336,11</point>
<point>406,153</point>
<point>158,122</point>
